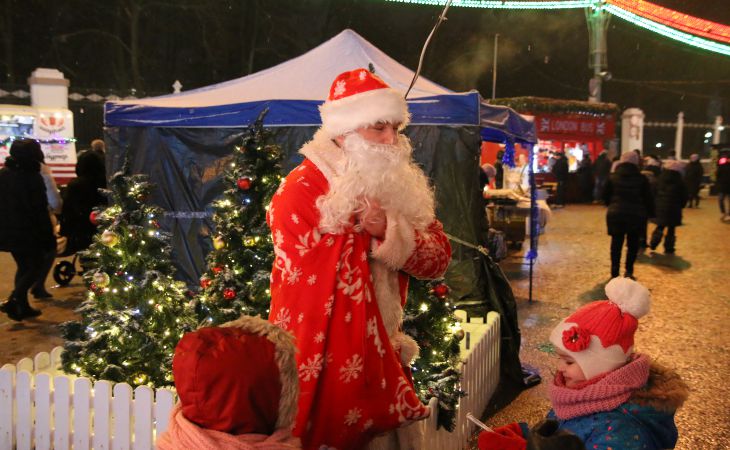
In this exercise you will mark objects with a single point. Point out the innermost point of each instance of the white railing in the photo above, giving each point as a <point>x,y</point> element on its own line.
<point>43,408</point>
<point>480,376</point>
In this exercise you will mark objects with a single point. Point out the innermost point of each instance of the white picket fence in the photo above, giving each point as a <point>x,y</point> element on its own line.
<point>480,376</point>
<point>43,408</point>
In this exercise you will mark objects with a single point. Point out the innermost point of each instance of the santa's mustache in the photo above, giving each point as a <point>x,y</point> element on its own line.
<point>380,172</point>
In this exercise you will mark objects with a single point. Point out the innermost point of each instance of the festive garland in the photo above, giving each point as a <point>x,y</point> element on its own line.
<point>556,106</point>
<point>9,140</point>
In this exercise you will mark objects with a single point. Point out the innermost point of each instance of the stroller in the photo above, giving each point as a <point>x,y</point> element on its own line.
<point>77,239</point>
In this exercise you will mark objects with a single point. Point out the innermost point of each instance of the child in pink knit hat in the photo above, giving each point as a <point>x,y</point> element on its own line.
<point>604,393</point>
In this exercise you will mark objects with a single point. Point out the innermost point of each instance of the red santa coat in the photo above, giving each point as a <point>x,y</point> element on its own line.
<point>341,295</point>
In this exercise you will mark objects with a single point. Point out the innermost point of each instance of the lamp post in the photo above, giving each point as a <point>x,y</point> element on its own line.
<point>597,18</point>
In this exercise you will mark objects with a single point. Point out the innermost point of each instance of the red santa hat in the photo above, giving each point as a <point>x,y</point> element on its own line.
<point>240,378</point>
<point>359,98</point>
<point>600,335</point>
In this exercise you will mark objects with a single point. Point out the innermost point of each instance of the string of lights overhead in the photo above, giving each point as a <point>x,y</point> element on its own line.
<point>667,22</point>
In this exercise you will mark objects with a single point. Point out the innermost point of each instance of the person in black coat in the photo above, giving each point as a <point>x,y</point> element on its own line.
<point>498,166</point>
<point>80,198</point>
<point>693,179</point>
<point>560,170</point>
<point>25,225</point>
<point>628,197</point>
<point>671,196</point>
<point>601,171</point>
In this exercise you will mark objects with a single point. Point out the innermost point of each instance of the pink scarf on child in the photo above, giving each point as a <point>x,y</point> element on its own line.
<point>182,434</point>
<point>600,394</point>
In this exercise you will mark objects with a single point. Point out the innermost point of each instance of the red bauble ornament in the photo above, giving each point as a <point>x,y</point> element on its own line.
<point>92,286</point>
<point>244,184</point>
<point>92,218</point>
<point>205,283</point>
<point>217,269</point>
<point>229,294</point>
<point>440,290</point>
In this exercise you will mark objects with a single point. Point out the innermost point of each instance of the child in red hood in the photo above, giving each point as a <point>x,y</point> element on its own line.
<point>237,386</point>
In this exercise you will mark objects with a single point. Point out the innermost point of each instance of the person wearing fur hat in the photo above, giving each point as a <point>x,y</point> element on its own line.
<point>237,387</point>
<point>604,392</point>
<point>671,196</point>
<point>630,204</point>
<point>25,225</point>
<point>349,225</point>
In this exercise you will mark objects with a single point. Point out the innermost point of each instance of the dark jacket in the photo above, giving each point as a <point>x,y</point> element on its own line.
<point>560,169</point>
<point>693,176</point>
<point>25,224</point>
<point>671,196</point>
<point>80,197</point>
<point>602,166</point>
<point>629,200</point>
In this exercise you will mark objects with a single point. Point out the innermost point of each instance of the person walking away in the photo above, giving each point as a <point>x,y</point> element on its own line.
<point>585,178</point>
<point>560,171</point>
<point>237,389</point>
<point>25,225</point>
<point>630,204</point>
<point>671,196</point>
<point>54,207</point>
<point>349,225</point>
<point>723,184</point>
<point>601,171</point>
<point>693,175</point>
<point>650,169</point>
<point>604,393</point>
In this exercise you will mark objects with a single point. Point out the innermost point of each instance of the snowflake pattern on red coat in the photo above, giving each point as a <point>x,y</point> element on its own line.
<point>352,384</point>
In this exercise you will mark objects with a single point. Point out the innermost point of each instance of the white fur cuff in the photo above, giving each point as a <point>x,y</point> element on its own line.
<point>399,243</point>
<point>408,348</point>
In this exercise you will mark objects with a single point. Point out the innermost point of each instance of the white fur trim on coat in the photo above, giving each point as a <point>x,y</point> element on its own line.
<point>325,154</point>
<point>387,293</point>
<point>399,243</point>
<point>350,113</point>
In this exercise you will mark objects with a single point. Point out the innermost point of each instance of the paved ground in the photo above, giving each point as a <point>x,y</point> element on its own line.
<point>27,338</point>
<point>687,327</point>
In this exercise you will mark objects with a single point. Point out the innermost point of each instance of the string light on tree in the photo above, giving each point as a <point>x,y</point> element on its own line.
<point>135,311</point>
<point>239,267</point>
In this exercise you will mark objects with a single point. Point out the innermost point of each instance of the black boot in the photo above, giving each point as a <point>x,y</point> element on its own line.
<point>669,242</point>
<point>656,238</point>
<point>13,309</point>
<point>41,293</point>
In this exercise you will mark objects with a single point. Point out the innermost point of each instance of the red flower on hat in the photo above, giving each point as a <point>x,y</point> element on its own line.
<point>576,339</point>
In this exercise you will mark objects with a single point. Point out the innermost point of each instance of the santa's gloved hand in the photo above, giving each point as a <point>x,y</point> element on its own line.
<point>546,436</point>
<point>508,437</point>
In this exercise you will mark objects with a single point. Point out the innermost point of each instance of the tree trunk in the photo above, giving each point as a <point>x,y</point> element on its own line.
<point>134,13</point>
<point>8,42</point>
<point>254,33</point>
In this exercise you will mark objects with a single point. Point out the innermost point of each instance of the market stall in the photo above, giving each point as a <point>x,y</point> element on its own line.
<point>578,129</point>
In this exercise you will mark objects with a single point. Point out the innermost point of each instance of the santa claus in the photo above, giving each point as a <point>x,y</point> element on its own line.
<point>350,225</point>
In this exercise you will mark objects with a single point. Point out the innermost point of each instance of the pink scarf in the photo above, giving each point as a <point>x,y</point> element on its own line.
<point>182,434</point>
<point>605,394</point>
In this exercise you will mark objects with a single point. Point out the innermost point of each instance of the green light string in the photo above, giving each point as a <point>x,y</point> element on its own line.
<point>668,31</point>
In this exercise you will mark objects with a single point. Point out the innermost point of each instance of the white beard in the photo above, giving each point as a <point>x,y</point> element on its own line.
<point>379,172</point>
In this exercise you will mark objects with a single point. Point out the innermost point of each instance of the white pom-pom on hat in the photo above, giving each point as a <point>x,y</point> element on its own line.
<point>630,296</point>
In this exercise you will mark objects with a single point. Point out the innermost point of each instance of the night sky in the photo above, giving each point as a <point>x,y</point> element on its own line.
<point>541,53</point>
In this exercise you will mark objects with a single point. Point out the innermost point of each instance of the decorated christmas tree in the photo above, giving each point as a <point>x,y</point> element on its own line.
<point>239,267</point>
<point>135,312</point>
<point>429,319</point>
